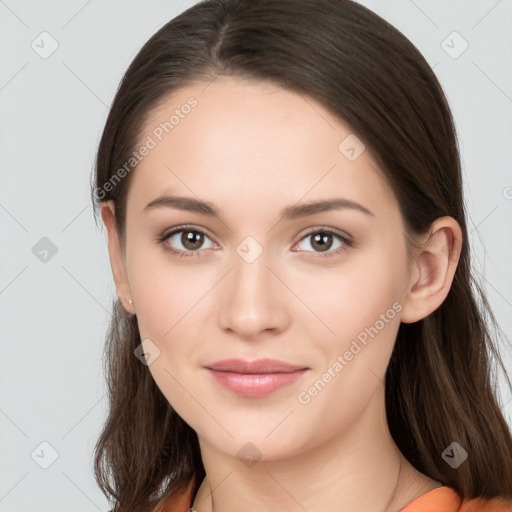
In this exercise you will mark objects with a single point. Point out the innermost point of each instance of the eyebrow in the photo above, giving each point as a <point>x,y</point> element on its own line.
<point>296,211</point>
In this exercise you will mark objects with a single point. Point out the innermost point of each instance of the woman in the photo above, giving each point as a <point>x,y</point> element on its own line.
<point>297,326</point>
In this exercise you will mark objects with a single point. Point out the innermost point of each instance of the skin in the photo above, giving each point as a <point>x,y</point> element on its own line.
<point>252,149</point>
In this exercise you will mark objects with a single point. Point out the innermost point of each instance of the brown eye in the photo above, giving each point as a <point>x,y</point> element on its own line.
<point>192,240</point>
<point>185,241</point>
<point>322,241</point>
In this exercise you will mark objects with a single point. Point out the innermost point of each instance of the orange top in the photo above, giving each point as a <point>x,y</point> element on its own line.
<point>440,499</point>
<point>446,499</point>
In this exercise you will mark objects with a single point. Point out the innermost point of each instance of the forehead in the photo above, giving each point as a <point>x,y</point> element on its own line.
<point>233,138</point>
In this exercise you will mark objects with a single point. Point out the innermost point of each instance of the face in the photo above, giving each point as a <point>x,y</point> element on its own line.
<point>320,289</point>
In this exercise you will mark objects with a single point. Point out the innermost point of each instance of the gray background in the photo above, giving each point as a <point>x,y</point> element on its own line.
<point>54,313</point>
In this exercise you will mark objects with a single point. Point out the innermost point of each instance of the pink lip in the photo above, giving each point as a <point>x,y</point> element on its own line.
<point>255,379</point>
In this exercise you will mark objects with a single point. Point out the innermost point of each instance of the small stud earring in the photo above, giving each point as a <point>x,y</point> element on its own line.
<point>130,301</point>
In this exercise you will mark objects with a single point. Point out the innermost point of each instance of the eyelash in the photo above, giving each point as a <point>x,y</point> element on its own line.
<point>194,254</point>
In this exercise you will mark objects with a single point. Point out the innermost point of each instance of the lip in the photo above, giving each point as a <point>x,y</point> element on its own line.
<point>255,379</point>
<point>257,366</point>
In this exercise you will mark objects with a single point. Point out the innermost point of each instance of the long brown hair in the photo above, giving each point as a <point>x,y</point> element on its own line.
<point>440,383</point>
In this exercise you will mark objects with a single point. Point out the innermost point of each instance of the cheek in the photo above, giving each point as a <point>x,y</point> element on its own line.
<point>174,312</point>
<point>361,305</point>
<point>348,300</point>
<point>166,291</point>
<point>365,318</point>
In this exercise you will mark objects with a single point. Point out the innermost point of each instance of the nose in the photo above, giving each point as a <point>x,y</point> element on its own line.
<point>253,301</point>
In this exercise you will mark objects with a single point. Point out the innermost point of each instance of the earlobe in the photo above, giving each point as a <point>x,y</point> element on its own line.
<point>115,254</point>
<point>435,266</point>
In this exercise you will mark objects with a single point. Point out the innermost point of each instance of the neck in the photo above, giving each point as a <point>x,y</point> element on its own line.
<point>360,469</point>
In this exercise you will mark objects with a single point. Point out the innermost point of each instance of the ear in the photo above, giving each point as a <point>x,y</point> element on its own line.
<point>116,256</point>
<point>434,267</point>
